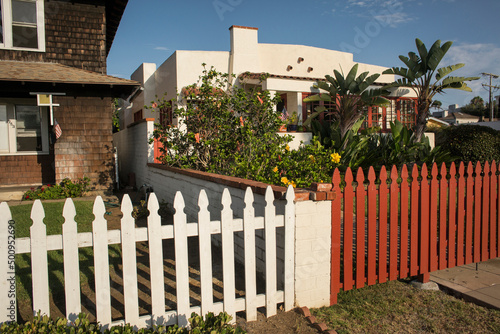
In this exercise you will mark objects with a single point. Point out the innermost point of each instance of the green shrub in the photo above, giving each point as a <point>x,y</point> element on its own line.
<point>42,324</point>
<point>472,142</point>
<point>65,189</point>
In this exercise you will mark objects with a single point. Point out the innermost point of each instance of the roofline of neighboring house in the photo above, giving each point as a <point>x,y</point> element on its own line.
<point>114,13</point>
<point>439,121</point>
<point>262,76</point>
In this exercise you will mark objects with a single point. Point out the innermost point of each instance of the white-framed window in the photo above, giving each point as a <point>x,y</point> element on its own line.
<point>23,128</point>
<point>22,25</point>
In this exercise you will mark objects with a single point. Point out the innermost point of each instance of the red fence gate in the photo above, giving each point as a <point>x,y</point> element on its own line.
<point>394,226</point>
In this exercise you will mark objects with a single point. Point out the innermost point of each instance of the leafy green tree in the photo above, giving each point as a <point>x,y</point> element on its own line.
<point>351,95</point>
<point>419,76</point>
<point>436,104</point>
<point>476,107</point>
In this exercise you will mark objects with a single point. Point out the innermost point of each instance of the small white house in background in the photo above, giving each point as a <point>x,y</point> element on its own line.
<point>292,71</point>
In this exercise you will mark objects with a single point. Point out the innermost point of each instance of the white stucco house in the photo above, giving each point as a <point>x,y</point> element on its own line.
<point>291,72</point>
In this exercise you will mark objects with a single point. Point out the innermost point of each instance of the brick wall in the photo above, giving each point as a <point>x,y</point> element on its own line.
<point>85,147</point>
<point>26,169</point>
<point>75,35</point>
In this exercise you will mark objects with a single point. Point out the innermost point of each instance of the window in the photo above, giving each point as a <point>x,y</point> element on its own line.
<point>22,25</point>
<point>23,128</point>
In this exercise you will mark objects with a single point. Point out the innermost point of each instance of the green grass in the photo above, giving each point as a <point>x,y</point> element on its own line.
<point>53,217</point>
<point>398,307</point>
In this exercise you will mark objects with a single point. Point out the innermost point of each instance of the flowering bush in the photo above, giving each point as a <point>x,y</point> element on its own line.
<point>65,189</point>
<point>222,129</point>
<point>310,163</point>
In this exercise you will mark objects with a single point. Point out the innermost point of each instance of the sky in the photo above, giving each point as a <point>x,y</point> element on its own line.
<point>375,31</point>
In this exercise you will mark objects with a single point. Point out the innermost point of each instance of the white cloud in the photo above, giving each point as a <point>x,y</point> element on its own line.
<point>394,19</point>
<point>161,48</point>
<point>478,58</point>
<point>388,12</point>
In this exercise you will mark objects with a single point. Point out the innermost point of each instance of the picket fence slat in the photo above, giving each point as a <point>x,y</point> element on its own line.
<point>393,230</point>
<point>382,240</point>
<point>478,184</point>
<point>439,218</point>
<point>452,222</point>
<point>129,262</point>
<point>372,228</point>
<point>461,242</point>
<point>181,260</point>
<point>250,262</point>
<point>469,212</point>
<point>6,271</point>
<point>403,254</point>
<point>40,271</point>
<point>101,263</point>
<point>493,212</point>
<point>433,222</point>
<point>348,231</point>
<point>485,215</point>
<point>156,262</point>
<point>443,217</point>
<point>289,248</point>
<point>414,229</point>
<point>205,254</point>
<point>71,263</point>
<point>360,230</point>
<point>270,241</point>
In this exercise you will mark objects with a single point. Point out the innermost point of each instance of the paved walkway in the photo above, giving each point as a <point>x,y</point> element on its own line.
<point>481,286</point>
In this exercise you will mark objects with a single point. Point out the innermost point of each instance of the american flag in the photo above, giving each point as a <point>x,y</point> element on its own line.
<point>284,114</point>
<point>57,129</point>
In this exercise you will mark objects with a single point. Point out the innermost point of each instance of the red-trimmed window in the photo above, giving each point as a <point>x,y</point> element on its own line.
<point>166,115</point>
<point>138,116</point>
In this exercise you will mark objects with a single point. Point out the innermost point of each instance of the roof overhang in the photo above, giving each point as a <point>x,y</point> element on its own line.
<point>19,78</point>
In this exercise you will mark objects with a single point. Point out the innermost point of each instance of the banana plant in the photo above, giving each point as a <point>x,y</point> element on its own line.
<point>419,76</point>
<point>350,95</point>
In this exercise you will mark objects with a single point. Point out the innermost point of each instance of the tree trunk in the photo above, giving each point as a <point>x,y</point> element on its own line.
<point>421,119</point>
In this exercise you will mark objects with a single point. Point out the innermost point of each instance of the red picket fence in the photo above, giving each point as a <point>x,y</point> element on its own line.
<point>398,225</point>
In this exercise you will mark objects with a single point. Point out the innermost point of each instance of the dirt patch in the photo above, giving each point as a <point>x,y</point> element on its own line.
<point>283,323</point>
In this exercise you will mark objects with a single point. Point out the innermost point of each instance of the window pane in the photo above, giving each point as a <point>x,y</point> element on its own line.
<point>23,11</point>
<point>25,37</point>
<point>1,24</point>
<point>29,134</point>
<point>4,129</point>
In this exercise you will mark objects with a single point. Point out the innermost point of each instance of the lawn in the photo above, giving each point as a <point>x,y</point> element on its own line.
<point>398,307</point>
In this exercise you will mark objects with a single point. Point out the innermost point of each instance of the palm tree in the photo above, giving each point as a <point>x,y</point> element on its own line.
<point>419,77</point>
<point>350,94</point>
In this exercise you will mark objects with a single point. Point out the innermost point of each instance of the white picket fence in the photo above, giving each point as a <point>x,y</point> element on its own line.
<point>100,238</point>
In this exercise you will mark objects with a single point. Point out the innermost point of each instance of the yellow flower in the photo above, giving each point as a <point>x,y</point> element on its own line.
<point>284,180</point>
<point>311,157</point>
<point>335,157</point>
<point>287,147</point>
<point>293,184</point>
<point>275,169</point>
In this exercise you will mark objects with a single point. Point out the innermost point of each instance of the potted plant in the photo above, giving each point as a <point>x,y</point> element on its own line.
<point>292,122</point>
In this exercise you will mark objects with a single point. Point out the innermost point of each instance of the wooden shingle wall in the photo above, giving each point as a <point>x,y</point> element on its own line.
<point>85,147</point>
<point>75,35</point>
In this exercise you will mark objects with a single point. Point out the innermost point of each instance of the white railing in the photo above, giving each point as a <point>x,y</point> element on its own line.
<point>100,238</point>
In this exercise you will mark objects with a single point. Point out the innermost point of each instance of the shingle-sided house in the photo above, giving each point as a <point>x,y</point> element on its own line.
<point>53,71</point>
